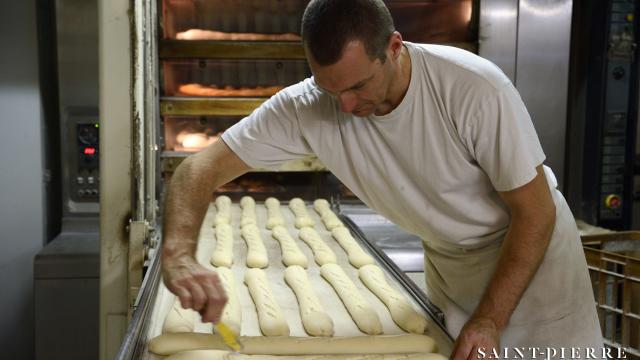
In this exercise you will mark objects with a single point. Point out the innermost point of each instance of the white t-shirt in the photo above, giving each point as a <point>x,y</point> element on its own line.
<point>432,165</point>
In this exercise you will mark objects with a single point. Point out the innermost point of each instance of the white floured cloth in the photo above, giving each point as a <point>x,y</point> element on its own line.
<point>434,166</point>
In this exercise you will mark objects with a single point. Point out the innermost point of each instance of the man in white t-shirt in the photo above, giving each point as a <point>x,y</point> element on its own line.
<point>437,140</point>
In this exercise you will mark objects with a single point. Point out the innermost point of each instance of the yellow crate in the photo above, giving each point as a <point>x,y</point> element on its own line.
<point>614,266</point>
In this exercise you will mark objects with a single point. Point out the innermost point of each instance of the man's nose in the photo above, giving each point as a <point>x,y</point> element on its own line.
<point>348,101</point>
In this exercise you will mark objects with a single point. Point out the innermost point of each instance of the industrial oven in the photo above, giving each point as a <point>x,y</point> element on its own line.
<point>174,74</point>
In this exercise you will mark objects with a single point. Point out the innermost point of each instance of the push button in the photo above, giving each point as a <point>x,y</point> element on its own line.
<point>613,201</point>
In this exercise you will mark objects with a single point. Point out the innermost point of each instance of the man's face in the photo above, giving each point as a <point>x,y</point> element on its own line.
<point>358,83</point>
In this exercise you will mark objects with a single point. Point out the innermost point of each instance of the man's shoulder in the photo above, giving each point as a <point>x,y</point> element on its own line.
<point>304,90</point>
<point>449,62</point>
<point>304,98</point>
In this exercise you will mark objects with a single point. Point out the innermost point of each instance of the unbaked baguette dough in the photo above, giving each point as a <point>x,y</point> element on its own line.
<point>357,256</point>
<point>291,253</point>
<point>232,313</point>
<point>223,210</point>
<point>315,320</point>
<point>270,317</point>
<point>248,216</point>
<point>225,355</point>
<point>299,209</point>
<point>223,253</point>
<point>274,216</point>
<point>256,252</point>
<point>321,205</point>
<point>168,344</point>
<point>361,312</point>
<point>179,319</point>
<point>322,253</point>
<point>329,218</point>
<point>401,311</point>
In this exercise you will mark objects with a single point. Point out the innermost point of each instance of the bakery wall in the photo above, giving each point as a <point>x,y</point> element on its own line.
<point>21,175</point>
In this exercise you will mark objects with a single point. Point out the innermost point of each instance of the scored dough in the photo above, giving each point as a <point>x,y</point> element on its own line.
<point>223,253</point>
<point>401,311</point>
<point>361,312</point>
<point>248,206</point>
<point>357,256</point>
<point>315,320</point>
<point>329,218</point>
<point>179,319</point>
<point>299,209</point>
<point>225,355</point>
<point>168,344</point>
<point>274,216</point>
<point>322,253</point>
<point>270,317</point>
<point>223,210</point>
<point>232,313</point>
<point>291,253</point>
<point>256,252</point>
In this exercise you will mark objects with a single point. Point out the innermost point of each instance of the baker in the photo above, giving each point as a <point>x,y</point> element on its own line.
<point>437,140</point>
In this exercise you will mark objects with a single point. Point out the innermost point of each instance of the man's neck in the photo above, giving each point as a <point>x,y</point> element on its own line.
<point>399,84</point>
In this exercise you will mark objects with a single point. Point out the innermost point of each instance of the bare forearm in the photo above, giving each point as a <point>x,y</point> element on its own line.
<point>189,194</point>
<point>186,204</point>
<point>523,250</point>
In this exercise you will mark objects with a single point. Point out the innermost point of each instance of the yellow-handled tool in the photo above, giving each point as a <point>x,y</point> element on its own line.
<point>228,337</point>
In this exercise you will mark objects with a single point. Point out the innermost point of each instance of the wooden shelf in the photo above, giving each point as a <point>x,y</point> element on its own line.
<point>208,49</point>
<point>202,106</point>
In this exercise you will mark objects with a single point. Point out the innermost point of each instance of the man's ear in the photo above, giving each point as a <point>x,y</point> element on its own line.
<point>395,45</point>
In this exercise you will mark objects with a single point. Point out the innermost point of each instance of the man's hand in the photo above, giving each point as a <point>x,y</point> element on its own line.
<point>477,333</point>
<point>197,287</point>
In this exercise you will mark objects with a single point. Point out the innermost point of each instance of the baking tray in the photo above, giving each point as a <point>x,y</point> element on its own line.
<point>153,305</point>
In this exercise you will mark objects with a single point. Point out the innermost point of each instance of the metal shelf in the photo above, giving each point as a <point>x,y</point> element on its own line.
<point>171,159</point>
<point>210,49</point>
<point>201,106</point>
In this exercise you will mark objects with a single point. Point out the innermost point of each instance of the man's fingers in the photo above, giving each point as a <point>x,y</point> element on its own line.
<point>199,297</point>
<point>184,295</point>
<point>216,299</point>
<point>473,353</point>
<point>462,350</point>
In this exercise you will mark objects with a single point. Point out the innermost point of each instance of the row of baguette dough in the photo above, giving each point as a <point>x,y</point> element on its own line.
<point>291,254</point>
<point>168,344</point>
<point>315,320</point>
<point>225,355</point>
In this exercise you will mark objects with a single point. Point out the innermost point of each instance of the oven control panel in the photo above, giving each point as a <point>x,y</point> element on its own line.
<point>86,177</point>
<point>619,113</point>
<point>81,165</point>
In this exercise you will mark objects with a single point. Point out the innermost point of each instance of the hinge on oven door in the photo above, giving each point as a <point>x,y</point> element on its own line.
<point>139,232</point>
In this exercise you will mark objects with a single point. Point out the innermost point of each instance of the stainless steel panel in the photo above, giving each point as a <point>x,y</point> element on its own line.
<point>404,249</point>
<point>498,34</point>
<point>542,75</point>
<point>115,166</point>
<point>77,57</point>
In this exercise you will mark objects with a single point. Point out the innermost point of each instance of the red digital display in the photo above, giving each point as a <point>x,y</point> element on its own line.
<point>89,151</point>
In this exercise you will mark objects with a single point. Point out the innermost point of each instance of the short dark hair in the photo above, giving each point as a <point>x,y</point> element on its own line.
<point>328,25</point>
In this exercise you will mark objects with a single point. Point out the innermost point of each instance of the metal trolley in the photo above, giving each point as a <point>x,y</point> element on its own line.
<point>614,266</point>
